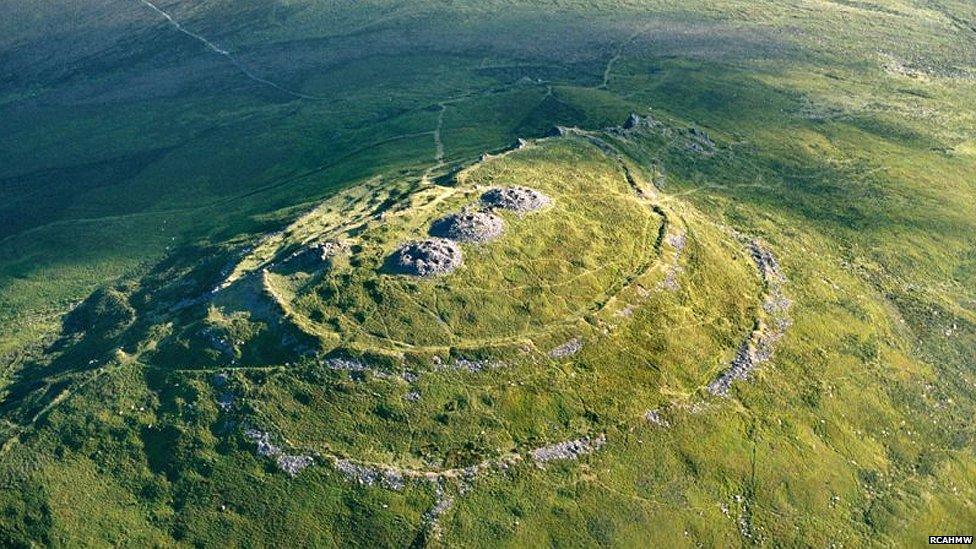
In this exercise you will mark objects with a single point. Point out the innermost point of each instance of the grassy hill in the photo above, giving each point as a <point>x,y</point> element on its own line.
<point>747,316</point>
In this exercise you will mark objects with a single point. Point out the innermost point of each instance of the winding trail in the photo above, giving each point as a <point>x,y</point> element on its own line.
<point>616,57</point>
<point>230,57</point>
<point>438,146</point>
<point>606,71</point>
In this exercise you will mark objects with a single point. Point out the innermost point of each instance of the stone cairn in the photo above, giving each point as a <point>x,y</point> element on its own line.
<point>441,254</point>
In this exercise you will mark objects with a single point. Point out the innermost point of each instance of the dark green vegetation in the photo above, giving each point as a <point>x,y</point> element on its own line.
<point>154,191</point>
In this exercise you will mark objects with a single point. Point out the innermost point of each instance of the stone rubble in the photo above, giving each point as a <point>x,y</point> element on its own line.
<point>759,346</point>
<point>670,282</point>
<point>569,348</point>
<point>263,440</point>
<point>294,464</point>
<point>654,416</point>
<point>426,258</point>
<point>369,476</point>
<point>474,366</point>
<point>358,369</point>
<point>291,464</point>
<point>469,226</point>
<point>316,254</point>
<point>442,503</point>
<point>346,365</point>
<point>693,139</point>
<point>570,449</point>
<point>517,199</point>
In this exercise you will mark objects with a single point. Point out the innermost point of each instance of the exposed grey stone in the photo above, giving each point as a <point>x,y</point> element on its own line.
<point>369,476</point>
<point>518,199</point>
<point>358,368</point>
<point>670,282</point>
<point>346,364</point>
<point>470,365</point>
<point>426,258</point>
<point>569,348</point>
<point>759,346</point>
<point>317,254</point>
<point>469,226</point>
<point>265,447</point>
<point>476,365</point>
<point>226,401</point>
<point>700,142</point>
<point>654,416</point>
<point>636,121</point>
<point>409,376</point>
<point>294,464</point>
<point>570,449</point>
<point>632,121</point>
<point>740,368</point>
<point>291,464</point>
<point>442,503</point>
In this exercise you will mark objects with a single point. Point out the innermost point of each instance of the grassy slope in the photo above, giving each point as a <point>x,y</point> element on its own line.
<point>847,145</point>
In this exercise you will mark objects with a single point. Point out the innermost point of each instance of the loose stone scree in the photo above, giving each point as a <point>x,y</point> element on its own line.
<point>517,199</point>
<point>469,226</point>
<point>426,258</point>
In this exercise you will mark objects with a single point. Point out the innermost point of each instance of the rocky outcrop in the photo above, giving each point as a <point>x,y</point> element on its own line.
<point>316,255</point>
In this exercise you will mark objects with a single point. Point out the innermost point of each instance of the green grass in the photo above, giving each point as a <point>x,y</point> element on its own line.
<point>138,171</point>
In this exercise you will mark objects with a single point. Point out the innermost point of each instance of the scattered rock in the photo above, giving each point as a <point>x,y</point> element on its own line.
<point>426,258</point>
<point>369,476</point>
<point>357,369</point>
<point>700,142</point>
<point>636,121</point>
<point>654,416</point>
<point>740,368</point>
<point>758,347</point>
<point>412,396</point>
<point>410,377</point>
<point>346,364</point>
<point>558,131</point>
<point>570,449</point>
<point>431,518</point>
<point>632,121</point>
<point>693,139</point>
<point>291,464</point>
<point>670,282</point>
<point>294,464</point>
<point>517,199</point>
<point>226,401</point>
<point>218,341</point>
<point>469,226</point>
<point>263,440</point>
<point>627,311</point>
<point>317,254</point>
<point>569,348</point>
<point>469,365</point>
